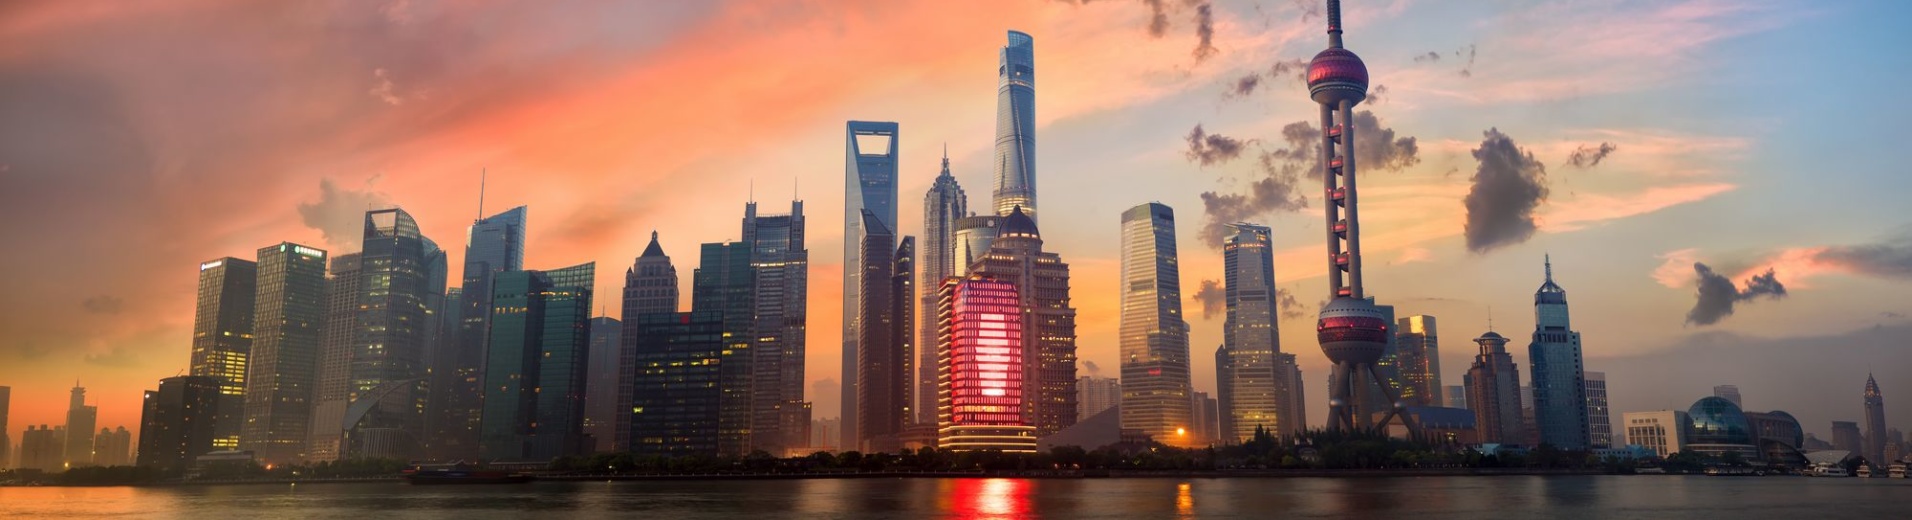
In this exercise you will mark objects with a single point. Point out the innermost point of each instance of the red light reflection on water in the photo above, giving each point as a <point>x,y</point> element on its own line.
<point>992,498</point>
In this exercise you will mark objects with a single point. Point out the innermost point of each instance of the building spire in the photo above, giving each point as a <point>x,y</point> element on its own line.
<point>1334,23</point>
<point>1549,261</point>
<point>481,195</point>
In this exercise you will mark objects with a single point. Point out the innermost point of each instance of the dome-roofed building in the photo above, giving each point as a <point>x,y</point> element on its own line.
<point>1719,427</point>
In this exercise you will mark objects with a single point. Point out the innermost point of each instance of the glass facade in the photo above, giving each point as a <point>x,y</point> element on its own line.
<point>494,245</point>
<point>650,287</point>
<point>389,345</point>
<point>980,368</point>
<point>335,354</point>
<point>675,398</point>
<point>600,396</point>
<point>780,262</point>
<point>1153,336</point>
<point>1559,377</point>
<point>1049,339</point>
<point>537,369</point>
<point>222,338</point>
<point>1718,421</point>
<point>1599,416</point>
<point>1418,360</point>
<point>869,185</point>
<point>1253,391</point>
<point>943,205</point>
<point>288,313</point>
<point>722,282</point>
<point>1015,161</point>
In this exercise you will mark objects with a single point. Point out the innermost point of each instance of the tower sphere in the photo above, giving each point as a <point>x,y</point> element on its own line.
<point>1337,75</point>
<point>1352,330</point>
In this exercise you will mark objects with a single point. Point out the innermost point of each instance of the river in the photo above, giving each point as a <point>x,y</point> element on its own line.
<point>1682,497</point>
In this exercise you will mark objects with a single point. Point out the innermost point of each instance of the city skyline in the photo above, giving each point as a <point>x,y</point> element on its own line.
<point>141,311</point>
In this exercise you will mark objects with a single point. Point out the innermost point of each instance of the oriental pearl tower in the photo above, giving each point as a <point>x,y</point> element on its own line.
<point>1353,332</point>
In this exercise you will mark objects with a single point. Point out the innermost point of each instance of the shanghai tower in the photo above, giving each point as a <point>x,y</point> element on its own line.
<point>1016,127</point>
<point>1353,331</point>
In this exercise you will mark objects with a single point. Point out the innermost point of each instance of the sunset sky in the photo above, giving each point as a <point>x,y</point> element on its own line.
<point>1631,140</point>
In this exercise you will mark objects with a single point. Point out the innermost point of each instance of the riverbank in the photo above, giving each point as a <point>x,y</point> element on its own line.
<point>1031,474</point>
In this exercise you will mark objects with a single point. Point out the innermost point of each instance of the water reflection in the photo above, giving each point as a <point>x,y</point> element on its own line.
<point>1184,502</point>
<point>991,498</point>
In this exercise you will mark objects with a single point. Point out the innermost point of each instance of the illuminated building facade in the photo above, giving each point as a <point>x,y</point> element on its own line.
<point>980,367</point>
<point>650,287</point>
<point>1418,359</point>
<point>222,338</point>
<point>1153,336</point>
<point>288,314</point>
<point>495,245</point>
<point>943,205</point>
<point>1015,161</point>
<point>780,267</point>
<point>1251,384</point>
<point>536,370</point>
<point>1049,339</point>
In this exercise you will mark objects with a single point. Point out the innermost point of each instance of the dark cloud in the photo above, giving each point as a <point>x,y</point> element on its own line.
<point>1212,297</point>
<point>1245,86</point>
<point>1290,307</point>
<point>1717,294</point>
<point>340,212</point>
<point>1467,71</point>
<point>1280,171</point>
<point>1205,31</point>
<point>1210,149</point>
<point>1297,69</point>
<point>1091,368</point>
<point>1891,257</point>
<point>1430,57</point>
<point>1508,187</point>
<point>1158,18</point>
<point>104,304</point>
<point>1892,315</point>
<point>1378,95</point>
<point>1588,155</point>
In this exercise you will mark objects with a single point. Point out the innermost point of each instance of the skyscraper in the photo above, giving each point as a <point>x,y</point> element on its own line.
<point>1599,417</point>
<point>980,367</point>
<point>80,419</point>
<point>869,186</point>
<point>1454,396</point>
<point>1154,339</point>
<point>43,448</point>
<point>971,241</point>
<point>1846,436</point>
<point>1728,392</point>
<point>536,370</point>
<point>1252,386</point>
<point>113,447</point>
<point>650,287</point>
<point>1875,423</point>
<point>333,391</point>
<point>1559,379</point>
<point>943,205</point>
<point>600,396</point>
<point>1203,409</point>
<point>1015,163</point>
<point>6,443</point>
<point>724,282</point>
<point>1493,392</point>
<point>1049,337</point>
<point>1096,394</point>
<point>389,346</point>
<point>780,262</point>
<point>495,245</point>
<point>1419,359</point>
<point>222,338</point>
<point>177,421</point>
<point>675,398</point>
<point>1352,331</point>
<point>1295,401</point>
<point>884,363</point>
<point>288,312</point>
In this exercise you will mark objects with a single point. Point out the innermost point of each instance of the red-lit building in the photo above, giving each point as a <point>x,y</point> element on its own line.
<point>980,367</point>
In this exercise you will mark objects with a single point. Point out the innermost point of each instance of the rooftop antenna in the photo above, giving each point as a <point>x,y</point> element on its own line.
<point>481,195</point>
<point>1490,318</point>
<point>753,190</point>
